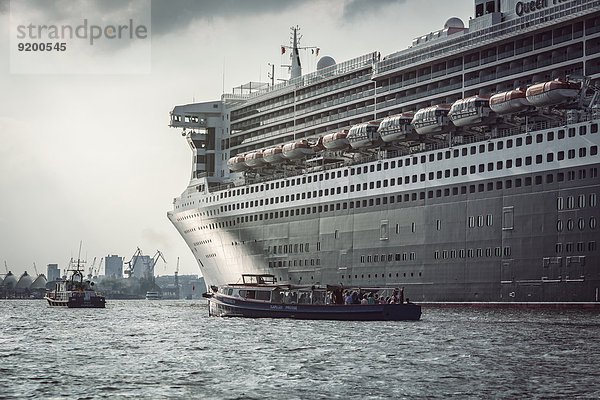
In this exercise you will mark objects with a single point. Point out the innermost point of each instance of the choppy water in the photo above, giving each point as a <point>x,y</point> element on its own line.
<point>171,349</point>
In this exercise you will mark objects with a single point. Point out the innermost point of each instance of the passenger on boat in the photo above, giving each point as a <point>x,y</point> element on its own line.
<point>364,301</point>
<point>402,296</point>
<point>348,297</point>
<point>355,299</point>
<point>371,298</point>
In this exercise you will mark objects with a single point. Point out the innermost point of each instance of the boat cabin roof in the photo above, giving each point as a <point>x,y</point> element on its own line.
<point>259,279</point>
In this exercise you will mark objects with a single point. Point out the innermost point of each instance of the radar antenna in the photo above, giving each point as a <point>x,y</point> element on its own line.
<point>296,67</point>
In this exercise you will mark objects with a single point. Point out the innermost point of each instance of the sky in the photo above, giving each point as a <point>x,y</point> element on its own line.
<point>86,154</point>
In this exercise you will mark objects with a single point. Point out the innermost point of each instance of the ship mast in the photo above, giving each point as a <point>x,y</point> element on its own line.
<point>296,70</point>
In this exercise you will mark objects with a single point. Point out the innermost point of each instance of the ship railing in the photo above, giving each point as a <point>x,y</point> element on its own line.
<point>494,33</point>
<point>320,75</point>
<point>383,154</point>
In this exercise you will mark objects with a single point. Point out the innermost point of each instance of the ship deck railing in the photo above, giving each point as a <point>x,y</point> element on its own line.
<point>493,34</point>
<point>379,154</point>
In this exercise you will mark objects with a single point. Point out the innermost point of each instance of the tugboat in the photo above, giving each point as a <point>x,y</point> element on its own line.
<point>75,292</point>
<point>260,296</point>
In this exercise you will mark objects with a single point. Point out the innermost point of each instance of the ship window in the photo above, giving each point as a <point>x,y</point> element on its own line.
<point>582,151</point>
<point>519,142</point>
<point>550,157</point>
<point>499,165</point>
<point>500,145</point>
<point>528,160</point>
<point>528,181</point>
<point>472,169</point>
<point>473,150</point>
<point>538,159</point>
<point>509,143</point>
<point>582,130</point>
<point>439,155</point>
<point>571,132</point>
<point>491,147</point>
<point>481,167</point>
<point>571,153</point>
<point>482,148</point>
<point>593,150</point>
<point>594,128</point>
<point>539,138</point>
<point>490,166</point>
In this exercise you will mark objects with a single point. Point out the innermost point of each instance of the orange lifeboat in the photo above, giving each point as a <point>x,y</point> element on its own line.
<point>396,127</point>
<point>364,135</point>
<point>237,163</point>
<point>470,111</point>
<point>255,159</point>
<point>336,141</point>
<point>509,102</point>
<point>554,92</point>
<point>297,150</point>
<point>432,119</point>
<point>273,155</point>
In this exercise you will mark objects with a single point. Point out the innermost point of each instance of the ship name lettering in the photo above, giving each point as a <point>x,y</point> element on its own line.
<point>525,7</point>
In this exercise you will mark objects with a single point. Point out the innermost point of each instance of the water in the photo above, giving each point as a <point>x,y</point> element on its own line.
<point>172,349</point>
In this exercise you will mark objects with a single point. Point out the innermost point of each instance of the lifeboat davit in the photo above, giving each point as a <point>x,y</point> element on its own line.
<point>274,155</point>
<point>364,135</point>
<point>396,127</point>
<point>470,111</point>
<point>297,150</point>
<point>237,163</point>
<point>318,147</point>
<point>509,102</point>
<point>432,119</point>
<point>336,141</point>
<point>553,92</point>
<point>255,159</point>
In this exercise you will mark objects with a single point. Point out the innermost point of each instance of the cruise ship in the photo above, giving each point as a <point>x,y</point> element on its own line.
<point>463,168</point>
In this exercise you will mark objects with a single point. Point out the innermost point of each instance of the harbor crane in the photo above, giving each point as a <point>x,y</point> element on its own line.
<point>131,262</point>
<point>149,263</point>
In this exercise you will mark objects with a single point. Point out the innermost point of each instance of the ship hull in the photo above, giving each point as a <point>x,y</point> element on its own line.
<point>482,237</point>
<point>228,307</point>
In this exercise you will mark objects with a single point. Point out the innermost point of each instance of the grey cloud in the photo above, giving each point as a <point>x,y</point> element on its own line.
<point>173,15</point>
<point>359,8</point>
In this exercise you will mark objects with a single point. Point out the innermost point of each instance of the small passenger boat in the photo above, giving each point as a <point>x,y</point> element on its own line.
<point>153,296</point>
<point>237,163</point>
<point>508,102</point>
<point>470,111</point>
<point>255,159</point>
<point>75,293</point>
<point>336,140</point>
<point>364,135</point>
<point>432,119</point>
<point>273,155</point>
<point>260,296</point>
<point>297,150</point>
<point>396,127</point>
<point>554,92</point>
